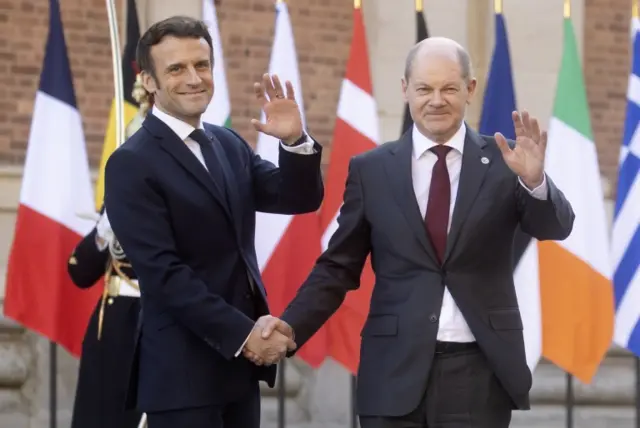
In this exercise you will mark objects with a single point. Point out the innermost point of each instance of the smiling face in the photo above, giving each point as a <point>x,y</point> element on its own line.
<point>437,90</point>
<point>182,77</point>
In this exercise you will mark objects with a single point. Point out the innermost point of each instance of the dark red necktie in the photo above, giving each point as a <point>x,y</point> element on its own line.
<point>437,216</point>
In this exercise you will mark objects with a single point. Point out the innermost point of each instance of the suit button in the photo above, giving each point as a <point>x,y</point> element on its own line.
<point>433,318</point>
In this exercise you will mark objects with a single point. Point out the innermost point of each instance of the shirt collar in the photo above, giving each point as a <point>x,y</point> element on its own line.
<point>421,143</point>
<point>182,129</point>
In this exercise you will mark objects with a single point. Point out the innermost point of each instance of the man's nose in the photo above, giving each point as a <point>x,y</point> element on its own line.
<point>193,76</point>
<point>436,99</point>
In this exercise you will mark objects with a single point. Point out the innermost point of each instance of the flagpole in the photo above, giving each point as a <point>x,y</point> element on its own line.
<point>635,13</point>
<point>357,4</point>
<point>117,72</point>
<point>118,90</point>
<point>281,376</point>
<point>53,384</point>
<point>419,6</point>
<point>497,6</point>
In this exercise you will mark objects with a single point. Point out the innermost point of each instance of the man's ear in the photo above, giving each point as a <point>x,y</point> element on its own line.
<point>405,86</point>
<point>149,82</point>
<point>471,89</point>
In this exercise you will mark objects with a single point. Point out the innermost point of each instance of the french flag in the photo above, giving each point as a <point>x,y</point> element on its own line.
<point>56,187</point>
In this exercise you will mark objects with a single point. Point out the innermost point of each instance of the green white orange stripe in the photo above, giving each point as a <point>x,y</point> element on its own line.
<point>575,274</point>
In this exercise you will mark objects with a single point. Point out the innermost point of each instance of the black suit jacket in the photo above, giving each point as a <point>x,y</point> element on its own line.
<point>193,251</point>
<point>380,216</point>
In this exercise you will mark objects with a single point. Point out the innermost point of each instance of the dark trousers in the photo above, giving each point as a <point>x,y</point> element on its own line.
<point>240,414</point>
<point>462,392</point>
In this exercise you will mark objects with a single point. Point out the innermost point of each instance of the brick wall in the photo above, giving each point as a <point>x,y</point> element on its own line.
<point>322,30</point>
<point>22,42</point>
<point>606,63</point>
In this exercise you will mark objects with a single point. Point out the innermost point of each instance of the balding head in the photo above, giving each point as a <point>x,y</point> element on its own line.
<point>442,47</point>
<point>438,85</point>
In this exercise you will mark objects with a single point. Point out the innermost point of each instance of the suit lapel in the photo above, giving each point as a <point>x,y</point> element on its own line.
<point>177,148</point>
<point>475,164</point>
<point>398,167</point>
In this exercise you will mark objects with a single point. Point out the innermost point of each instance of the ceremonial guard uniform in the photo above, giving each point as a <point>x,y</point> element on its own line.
<point>108,346</point>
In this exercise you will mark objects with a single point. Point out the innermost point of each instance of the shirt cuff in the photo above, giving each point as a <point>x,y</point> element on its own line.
<point>539,192</point>
<point>243,343</point>
<point>305,148</point>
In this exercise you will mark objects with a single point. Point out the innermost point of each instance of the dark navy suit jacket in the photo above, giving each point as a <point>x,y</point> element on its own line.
<point>192,248</point>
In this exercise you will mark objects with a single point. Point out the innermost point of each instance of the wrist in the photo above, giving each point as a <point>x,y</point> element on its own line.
<point>533,183</point>
<point>294,141</point>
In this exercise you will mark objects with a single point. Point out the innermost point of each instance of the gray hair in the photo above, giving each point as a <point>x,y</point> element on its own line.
<point>463,59</point>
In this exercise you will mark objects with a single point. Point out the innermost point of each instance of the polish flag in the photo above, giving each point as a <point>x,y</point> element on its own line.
<point>56,187</point>
<point>287,246</point>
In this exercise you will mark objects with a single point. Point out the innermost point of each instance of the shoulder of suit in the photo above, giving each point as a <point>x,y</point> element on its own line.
<point>136,140</point>
<point>376,152</point>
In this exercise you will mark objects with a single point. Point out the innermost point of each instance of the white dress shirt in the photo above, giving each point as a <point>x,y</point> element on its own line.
<point>183,130</point>
<point>453,327</point>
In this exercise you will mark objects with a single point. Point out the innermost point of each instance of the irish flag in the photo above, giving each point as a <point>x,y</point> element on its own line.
<point>575,274</point>
<point>219,110</point>
<point>56,186</point>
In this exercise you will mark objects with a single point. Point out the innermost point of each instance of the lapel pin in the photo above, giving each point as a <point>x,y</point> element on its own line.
<point>484,160</point>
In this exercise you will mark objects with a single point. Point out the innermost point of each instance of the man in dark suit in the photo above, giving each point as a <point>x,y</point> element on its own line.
<point>442,345</point>
<point>181,198</point>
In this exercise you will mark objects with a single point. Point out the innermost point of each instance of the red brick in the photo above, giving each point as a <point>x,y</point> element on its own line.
<point>606,68</point>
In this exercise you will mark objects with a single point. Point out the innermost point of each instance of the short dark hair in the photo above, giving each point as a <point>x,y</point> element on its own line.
<point>463,59</point>
<point>177,26</point>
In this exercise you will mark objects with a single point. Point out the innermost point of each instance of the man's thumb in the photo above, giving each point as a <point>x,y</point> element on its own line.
<point>268,328</point>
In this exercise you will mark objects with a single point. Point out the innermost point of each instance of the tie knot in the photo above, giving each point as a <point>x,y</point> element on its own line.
<point>440,150</point>
<point>199,136</point>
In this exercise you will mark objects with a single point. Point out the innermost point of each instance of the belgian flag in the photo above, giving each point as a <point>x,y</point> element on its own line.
<point>129,73</point>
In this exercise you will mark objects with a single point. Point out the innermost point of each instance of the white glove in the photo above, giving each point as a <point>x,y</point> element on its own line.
<point>104,233</point>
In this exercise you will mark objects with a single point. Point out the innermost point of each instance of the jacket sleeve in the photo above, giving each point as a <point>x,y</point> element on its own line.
<point>550,218</point>
<point>87,264</point>
<point>295,187</point>
<point>140,219</point>
<point>339,268</point>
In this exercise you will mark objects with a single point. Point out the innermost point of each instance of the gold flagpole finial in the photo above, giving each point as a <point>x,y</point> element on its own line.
<point>357,4</point>
<point>567,8</point>
<point>419,6</point>
<point>634,9</point>
<point>497,6</point>
<point>279,1</point>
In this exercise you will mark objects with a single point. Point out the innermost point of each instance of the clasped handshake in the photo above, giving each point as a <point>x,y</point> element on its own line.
<point>269,341</point>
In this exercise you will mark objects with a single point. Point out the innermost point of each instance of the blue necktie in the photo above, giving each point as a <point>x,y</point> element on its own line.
<point>210,158</point>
